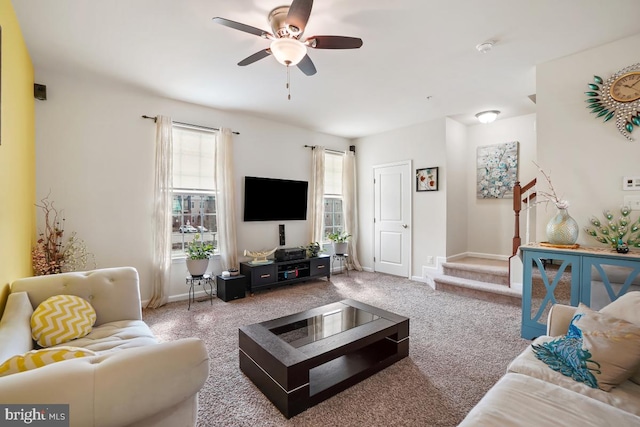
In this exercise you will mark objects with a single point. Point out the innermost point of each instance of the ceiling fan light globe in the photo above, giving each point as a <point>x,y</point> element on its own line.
<point>288,51</point>
<point>487,116</point>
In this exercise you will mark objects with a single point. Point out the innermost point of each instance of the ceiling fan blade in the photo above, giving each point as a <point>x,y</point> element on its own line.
<point>298,15</point>
<point>255,57</point>
<point>334,42</point>
<point>306,66</point>
<point>242,27</point>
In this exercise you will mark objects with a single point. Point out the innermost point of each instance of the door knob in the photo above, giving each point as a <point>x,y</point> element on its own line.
<point>404,226</point>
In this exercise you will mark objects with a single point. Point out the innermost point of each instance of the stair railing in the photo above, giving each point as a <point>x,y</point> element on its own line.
<point>529,194</point>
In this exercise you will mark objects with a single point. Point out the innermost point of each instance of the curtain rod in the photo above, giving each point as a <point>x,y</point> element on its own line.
<point>351,148</point>
<point>188,124</point>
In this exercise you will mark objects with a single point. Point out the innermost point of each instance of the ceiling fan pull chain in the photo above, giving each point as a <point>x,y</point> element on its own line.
<point>288,84</point>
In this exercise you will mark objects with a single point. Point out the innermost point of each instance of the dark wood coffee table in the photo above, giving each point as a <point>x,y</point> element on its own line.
<point>298,361</point>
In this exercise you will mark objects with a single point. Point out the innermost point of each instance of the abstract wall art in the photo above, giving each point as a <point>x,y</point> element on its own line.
<point>497,170</point>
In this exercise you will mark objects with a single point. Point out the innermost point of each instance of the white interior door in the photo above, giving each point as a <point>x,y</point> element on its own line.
<point>392,218</point>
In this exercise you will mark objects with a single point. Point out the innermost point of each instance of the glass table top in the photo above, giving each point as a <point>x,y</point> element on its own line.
<point>315,328</point>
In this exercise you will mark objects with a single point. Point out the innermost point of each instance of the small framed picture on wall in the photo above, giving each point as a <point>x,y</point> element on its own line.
<point>427,179</point>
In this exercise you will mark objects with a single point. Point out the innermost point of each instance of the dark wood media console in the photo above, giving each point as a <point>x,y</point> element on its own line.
<point>280,273</point>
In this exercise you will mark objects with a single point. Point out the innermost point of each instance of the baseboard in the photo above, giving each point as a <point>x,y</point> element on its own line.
<point>429,281</point>
<point>516,286</point>
<point>428,271</point>
<point>457,256</point>
<point>477,255</point>
<point>179,297</point>
<point>184,297</point>
<point>434,269</point>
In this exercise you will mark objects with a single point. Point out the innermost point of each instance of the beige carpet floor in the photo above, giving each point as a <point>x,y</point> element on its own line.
<point>459,347</point>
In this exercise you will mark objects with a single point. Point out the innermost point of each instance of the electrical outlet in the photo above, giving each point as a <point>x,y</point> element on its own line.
<point>430,260</point>
<point>631,183</point>
<point>633,202</point>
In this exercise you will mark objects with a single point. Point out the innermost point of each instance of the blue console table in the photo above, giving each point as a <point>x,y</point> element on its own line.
<point>588,275</point>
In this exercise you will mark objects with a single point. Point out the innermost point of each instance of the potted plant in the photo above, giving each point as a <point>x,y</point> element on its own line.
<point>198,254</point>
<point>313,249</point>
<point>340,241</point>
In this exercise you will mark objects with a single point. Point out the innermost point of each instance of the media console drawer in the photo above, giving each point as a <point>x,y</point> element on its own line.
<point>263,274</point>
<point>319,266</point>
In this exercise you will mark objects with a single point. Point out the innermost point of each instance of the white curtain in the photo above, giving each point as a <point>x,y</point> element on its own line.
<point>350,207</point>
<point>162,213</point>
<point>225,199</point>
<point>317,195</point>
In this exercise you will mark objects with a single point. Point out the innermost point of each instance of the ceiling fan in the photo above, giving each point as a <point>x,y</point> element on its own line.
<point>288,23</point>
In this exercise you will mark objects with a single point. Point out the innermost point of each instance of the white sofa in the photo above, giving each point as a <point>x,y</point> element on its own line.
<point>132,381</point>
<point>532,394</point>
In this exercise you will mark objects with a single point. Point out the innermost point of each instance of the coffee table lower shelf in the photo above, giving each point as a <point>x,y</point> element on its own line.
<point>339,374</point>
<point>295,379</point>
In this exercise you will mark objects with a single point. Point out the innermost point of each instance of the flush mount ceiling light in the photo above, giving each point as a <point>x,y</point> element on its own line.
<point>487,116</point>
<point>288,52</point>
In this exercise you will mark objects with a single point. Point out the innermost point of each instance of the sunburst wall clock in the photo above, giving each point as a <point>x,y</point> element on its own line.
<point>619,97</point>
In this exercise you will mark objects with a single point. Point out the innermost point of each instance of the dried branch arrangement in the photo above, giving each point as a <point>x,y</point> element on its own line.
<point>551,195</point>
<point>52,254</point>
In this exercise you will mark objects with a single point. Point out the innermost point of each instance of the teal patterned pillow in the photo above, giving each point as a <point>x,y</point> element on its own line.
<point>598,350</point>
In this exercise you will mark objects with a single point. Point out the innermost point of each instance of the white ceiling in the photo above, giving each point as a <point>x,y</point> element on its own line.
<point>418,61</point>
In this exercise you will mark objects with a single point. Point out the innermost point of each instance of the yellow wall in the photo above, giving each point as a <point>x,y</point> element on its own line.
<point>17,153</point>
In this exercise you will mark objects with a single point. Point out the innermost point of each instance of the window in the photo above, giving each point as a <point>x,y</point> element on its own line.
<point>333,215</point>
<point>194,200</point>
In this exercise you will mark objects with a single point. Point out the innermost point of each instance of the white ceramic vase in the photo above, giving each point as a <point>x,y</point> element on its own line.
<point>340,248</point>
<point>197,267</point>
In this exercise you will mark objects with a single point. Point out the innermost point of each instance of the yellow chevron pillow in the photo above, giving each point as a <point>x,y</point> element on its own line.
<point>39,358</point>
<point>61,318</point>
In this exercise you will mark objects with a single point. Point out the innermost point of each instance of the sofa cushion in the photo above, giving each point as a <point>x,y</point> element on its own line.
<point>61,318</point>
<point>15,326</point>
<point>599,350</point>
<point>117,335</point>
<point>520,400</point>
<point>38,358</point>
<point>626,396</point>
<point>626,307</point>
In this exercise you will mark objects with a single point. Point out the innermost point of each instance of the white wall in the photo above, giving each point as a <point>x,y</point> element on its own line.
<point>457,171</point>
<point>94,154</point>
<point>451,221</point>
<point>585,157</point>
<point>425,146</point>
<point>491,221</point>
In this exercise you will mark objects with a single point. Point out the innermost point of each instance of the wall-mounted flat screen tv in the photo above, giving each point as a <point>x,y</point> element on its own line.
<point>268,199</point>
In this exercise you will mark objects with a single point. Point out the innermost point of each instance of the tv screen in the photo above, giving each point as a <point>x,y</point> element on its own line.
<point>267,199</point>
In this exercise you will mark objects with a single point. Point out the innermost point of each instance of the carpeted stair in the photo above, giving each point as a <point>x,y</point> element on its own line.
<point>478,278</point>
